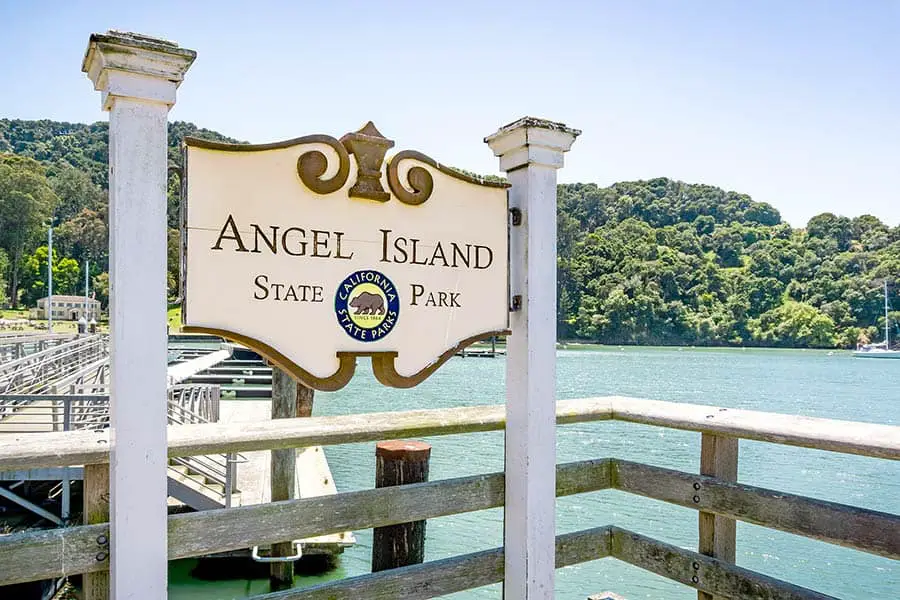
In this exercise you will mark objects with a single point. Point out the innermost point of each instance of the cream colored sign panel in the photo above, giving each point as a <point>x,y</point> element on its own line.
<point>314,252</point>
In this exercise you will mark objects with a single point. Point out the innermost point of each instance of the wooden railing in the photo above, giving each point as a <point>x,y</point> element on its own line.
<point>719,500</point>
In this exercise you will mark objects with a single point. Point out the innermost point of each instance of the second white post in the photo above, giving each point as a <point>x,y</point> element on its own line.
<point>531,150</point>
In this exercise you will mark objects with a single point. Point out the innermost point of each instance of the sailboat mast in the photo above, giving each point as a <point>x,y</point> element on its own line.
<point>887,328</point>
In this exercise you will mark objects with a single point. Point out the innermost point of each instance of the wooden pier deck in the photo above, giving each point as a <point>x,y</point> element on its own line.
<point>35,417</point>
<point>313,476</point>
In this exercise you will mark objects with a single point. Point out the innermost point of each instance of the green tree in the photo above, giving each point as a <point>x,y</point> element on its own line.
<point>76,192</point>
<point>100,285</point>
<point>85,236</point>
<point>4,270</point>
<point>658,261</point>
<point>34,276</point>
<point>26,202</point>
<point>173,275</point>
<point>794,324</point>
<point>831,228</point>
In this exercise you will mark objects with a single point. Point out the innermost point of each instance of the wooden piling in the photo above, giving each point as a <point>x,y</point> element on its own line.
<point>96,510</point>
<point>717,535</point>
<point>399,462</point>
<point>304,404</point>
<point>284,406</point>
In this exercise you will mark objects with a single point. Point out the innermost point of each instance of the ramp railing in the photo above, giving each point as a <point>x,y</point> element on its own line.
<point>39,372</point>
<point>15,346</point>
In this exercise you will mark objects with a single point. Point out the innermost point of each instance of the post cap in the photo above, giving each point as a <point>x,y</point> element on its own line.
<point>134,65</point>
<point>531,140</point>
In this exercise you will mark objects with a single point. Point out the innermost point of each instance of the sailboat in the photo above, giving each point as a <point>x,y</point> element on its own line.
<point>883,349</point>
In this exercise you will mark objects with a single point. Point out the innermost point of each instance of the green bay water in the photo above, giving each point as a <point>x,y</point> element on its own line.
<point>813,383</point>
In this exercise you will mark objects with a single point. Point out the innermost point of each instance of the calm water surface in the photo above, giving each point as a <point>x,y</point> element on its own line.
<point>800,382</point>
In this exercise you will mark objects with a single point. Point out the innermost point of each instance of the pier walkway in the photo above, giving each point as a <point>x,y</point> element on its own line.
<point>79,400</point>
<point>254,473</point>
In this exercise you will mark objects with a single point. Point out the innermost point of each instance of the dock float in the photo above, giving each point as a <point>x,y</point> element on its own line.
<point>254,476</point>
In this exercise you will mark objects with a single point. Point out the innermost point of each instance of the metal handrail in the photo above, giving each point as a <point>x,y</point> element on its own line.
<point>187,405</point>
<point>195,404</point>
<point>40,371</point>
<point>16,346</point>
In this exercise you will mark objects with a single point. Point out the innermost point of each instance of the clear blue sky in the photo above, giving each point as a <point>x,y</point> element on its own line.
<point>794,102</point>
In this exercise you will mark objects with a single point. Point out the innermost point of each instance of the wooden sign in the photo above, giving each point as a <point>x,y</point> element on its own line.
<point>314,251</point>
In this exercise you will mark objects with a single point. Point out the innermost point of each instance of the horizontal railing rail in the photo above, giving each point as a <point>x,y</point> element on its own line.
<point>198,534</point>
<point>42,413</point>
<point>848,437</point>
<point>468,571</point>
<point>54,553</point>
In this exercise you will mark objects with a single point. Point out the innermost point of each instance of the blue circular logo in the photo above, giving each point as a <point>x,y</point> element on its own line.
<point>367,305</point>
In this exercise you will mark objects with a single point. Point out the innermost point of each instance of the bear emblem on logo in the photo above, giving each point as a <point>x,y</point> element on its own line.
<point>367,305</point>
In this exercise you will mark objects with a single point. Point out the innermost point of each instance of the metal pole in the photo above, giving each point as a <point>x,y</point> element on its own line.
<point>66,509</point>
<point>50,277</point>
<point>87,268</point>
<point>887,329</point>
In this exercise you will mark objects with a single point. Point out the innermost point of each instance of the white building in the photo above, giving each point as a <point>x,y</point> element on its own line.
<point>67,308</point>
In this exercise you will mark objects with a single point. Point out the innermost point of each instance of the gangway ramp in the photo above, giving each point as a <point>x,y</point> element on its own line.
<point>254,476</point>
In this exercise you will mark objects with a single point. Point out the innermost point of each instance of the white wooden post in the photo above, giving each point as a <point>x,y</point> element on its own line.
<point>531,150</point>
<point>137,77</point>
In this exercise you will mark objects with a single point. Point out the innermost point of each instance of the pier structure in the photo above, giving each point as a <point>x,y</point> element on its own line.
<point>711,491</point>
<point>199,364</point>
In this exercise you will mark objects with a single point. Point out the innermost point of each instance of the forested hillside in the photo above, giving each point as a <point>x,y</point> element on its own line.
<point>646,262</point>
<point>664,262</point>
<point>49,168</point>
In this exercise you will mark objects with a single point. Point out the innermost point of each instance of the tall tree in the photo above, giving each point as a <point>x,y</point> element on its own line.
<point>66,276</point>
<point>76,192</point>
<point>85,237</point>
<point>26,202</point>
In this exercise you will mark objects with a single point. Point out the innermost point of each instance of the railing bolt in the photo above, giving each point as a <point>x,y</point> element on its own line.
<point>101,556</point>
<point>695,579</point>
<point>696,499</point>
<point>101,540</point>
<point>697,486</point>
<point>696,566</point>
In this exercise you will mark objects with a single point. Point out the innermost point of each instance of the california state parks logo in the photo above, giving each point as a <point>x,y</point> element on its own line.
<point>367,305</point>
